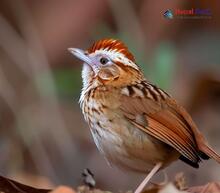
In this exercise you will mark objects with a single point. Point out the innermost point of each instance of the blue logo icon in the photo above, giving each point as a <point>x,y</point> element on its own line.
<point>168,14</point>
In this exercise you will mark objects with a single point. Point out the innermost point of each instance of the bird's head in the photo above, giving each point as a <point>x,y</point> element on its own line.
<point>108,62</point>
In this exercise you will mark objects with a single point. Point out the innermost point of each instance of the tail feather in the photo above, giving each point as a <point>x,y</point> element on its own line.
<point>206,149</point>
<point>203,155</point>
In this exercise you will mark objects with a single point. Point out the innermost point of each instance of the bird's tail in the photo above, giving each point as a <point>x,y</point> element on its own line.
<point>207,152</point>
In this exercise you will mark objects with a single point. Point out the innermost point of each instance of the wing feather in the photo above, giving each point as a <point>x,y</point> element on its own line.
<point>164,122</point>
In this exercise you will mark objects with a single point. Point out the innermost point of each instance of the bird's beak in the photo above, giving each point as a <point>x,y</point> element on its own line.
<point>81,54</point>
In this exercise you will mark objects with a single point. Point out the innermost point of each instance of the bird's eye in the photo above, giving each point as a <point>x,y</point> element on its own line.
<point>104,61</point>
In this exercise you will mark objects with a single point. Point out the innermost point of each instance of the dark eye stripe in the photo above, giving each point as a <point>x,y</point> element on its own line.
<point>130,90</point>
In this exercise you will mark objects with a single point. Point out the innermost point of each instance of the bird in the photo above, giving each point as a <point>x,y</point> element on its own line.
<point>135,124</point>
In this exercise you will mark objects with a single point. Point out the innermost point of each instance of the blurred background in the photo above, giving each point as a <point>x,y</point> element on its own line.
<point>44,140</point>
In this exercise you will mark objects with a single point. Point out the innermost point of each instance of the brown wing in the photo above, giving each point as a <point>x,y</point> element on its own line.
<point>164,119</point>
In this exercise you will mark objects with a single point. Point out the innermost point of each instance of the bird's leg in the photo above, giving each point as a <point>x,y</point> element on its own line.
<point>148,177</point>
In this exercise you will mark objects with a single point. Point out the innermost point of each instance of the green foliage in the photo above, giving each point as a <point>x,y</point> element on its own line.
<point>68,82</point>
<point>163,68</point>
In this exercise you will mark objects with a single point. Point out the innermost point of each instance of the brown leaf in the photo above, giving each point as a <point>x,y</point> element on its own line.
<point>86,189</point>
<point>63,189</point>
<point>170,188</point>
<point>11,186</point>
<point>180,181</point>
<point>212,187</point>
